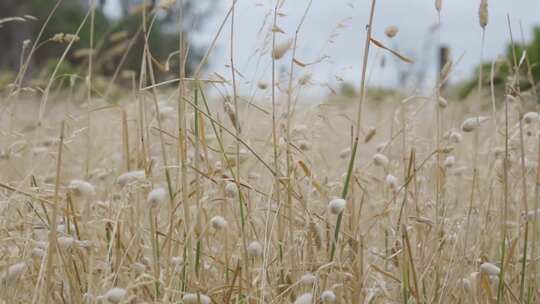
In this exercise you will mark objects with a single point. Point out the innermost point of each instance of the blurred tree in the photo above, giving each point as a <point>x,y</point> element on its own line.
<point>112,36</point>
<point>12,34</point>
<point>503,69</point>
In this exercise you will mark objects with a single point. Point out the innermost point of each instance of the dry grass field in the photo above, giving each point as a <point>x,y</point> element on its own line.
<point>169,197</point>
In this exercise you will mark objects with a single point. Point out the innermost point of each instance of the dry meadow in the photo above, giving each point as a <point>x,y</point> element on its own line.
<point>174,195</point>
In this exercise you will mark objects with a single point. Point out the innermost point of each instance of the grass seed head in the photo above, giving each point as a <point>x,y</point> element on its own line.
<point>455,137</point>
<point>391,181</point>
<point>380,160</point>
<point>337,205</point>
<point>277,29</point>
<point>308,279</point>
<point>157,197</point>
<point>531,117</point>
<point>193,298</point>
<point>391,31</point>
<point>281,49</point>
<point>218,222</point>
<point>472,123</point>
<point>328,296</point>
<point>438,5</point>
<point>13,273</point>
<point>442,102</point>
<point>130,177</point>
<point>65,38</point>
<point>231,190</point>
<point>255,249</point>
<point>445,71</point>
<point>306,298</point>
<point>370,134</point>
<point>483,15</point>
<point>115,295</point>
<point>489,269</point>
<point>81,188</point>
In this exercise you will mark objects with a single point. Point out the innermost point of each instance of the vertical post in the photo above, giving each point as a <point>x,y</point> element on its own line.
<point>444,54</point>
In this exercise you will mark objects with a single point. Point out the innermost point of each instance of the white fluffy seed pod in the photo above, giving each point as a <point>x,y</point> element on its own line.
<point>281,49</point>
<point>306,298</point>
<point>115,294</point>
<point>81,188</point>
<point>130,177</point>
<point>13,272</point>
<point>308,279</point>
<point>255,249</point>
<point>489,269</point>
<point>449,161</point>
<point>157,197</point>
<point>455,137</point>
<point>531,117</point>
<point>337,205</point>
<point>193,298</point>
<point>66,242</point>
<point>218,222</point>
<point>391,181</point>
<point>231,190</point>
<point>391,31</point>
<point>380,160</point>
<point>328,296</point>
<point>470,124</point>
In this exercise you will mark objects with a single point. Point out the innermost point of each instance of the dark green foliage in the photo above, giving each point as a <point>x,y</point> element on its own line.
<point>504,67</point>
<point>108,53</point>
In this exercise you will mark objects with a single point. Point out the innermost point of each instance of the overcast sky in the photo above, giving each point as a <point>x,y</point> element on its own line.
<point>336,28</point>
